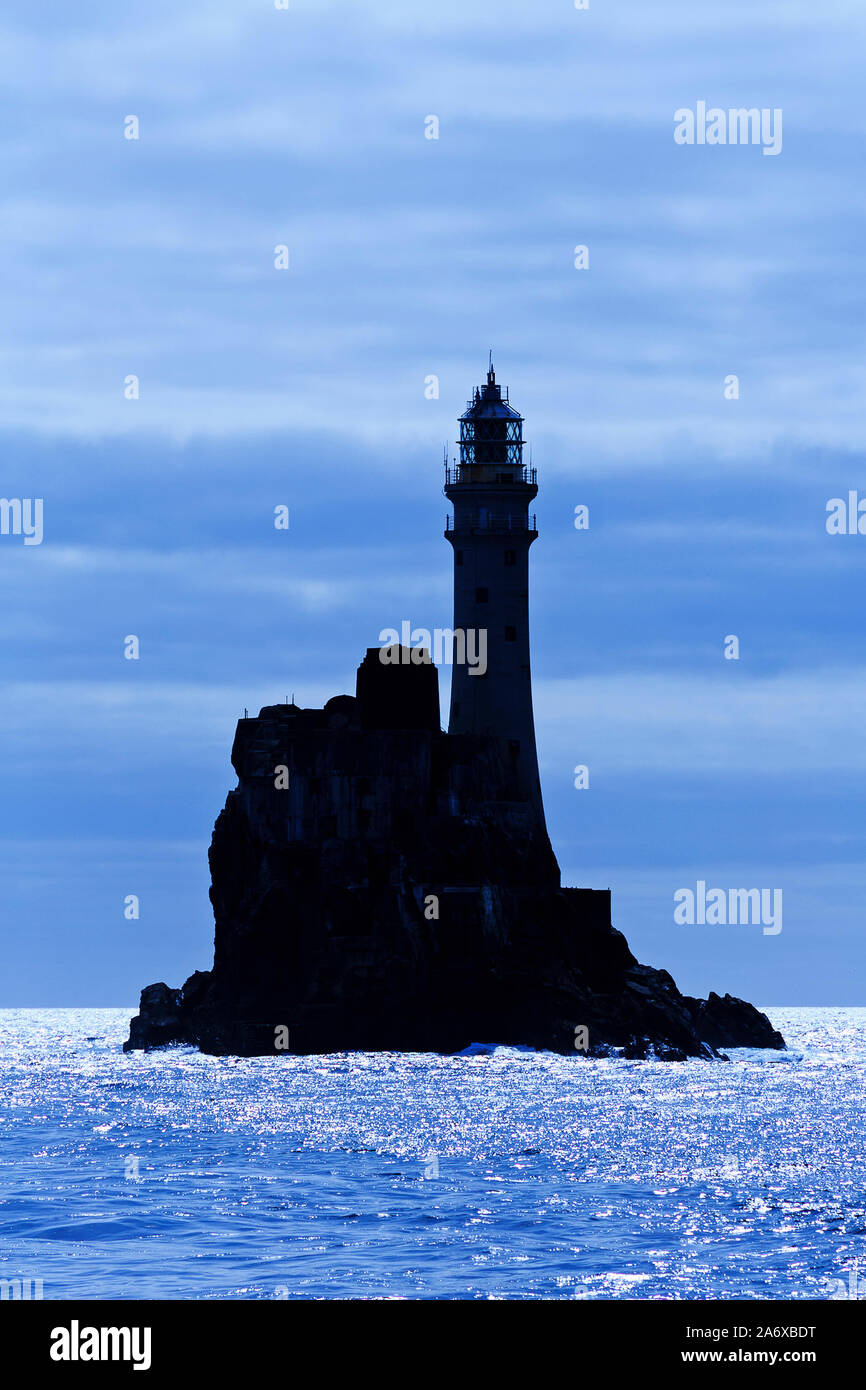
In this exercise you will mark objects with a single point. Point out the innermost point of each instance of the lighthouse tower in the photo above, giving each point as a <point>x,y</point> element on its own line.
<point>491,532</point>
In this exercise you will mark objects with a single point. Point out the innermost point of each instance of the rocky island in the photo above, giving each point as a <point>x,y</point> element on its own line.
<point>379,884</point>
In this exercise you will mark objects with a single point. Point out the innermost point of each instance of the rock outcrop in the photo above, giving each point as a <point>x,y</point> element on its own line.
<point>380,885</point>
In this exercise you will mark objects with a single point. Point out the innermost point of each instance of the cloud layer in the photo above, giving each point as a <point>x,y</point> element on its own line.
<point>306,387</point>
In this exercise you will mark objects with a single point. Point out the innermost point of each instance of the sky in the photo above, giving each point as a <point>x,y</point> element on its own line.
<point>309,387</point>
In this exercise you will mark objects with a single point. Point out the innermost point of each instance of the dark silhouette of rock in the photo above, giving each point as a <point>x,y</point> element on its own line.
<point>379,884</point>
<point>158,1021</point>
<point>729,1022</point>
<point>399,894</point>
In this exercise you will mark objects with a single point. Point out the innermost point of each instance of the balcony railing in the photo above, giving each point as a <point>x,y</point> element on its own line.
<point>498,525</point>
<point>490,473</point>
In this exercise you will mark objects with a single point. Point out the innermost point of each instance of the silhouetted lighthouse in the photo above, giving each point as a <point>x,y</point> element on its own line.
<point>491,533</point>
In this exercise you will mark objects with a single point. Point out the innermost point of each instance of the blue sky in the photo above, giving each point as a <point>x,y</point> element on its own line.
<point>411,257</point>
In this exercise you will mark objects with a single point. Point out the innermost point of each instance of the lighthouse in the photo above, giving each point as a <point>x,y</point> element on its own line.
<point>490,533</point>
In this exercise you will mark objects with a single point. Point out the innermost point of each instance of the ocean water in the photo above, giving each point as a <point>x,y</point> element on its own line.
<point>499,1173</point>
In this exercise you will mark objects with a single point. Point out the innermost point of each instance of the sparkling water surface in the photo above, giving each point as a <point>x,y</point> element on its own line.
<point>314,1177</point>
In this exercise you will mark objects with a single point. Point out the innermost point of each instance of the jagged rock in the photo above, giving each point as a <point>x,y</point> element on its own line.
<point>729,1022</point>
<point>167,1015</point>
<point>158,1021</point>
<point>401,894</point>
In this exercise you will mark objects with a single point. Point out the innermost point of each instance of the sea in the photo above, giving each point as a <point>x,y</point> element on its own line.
<point>498,1173</point>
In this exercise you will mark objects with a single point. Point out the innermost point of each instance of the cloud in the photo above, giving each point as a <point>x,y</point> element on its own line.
<point>731,725</point>
<point>409,256</point>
